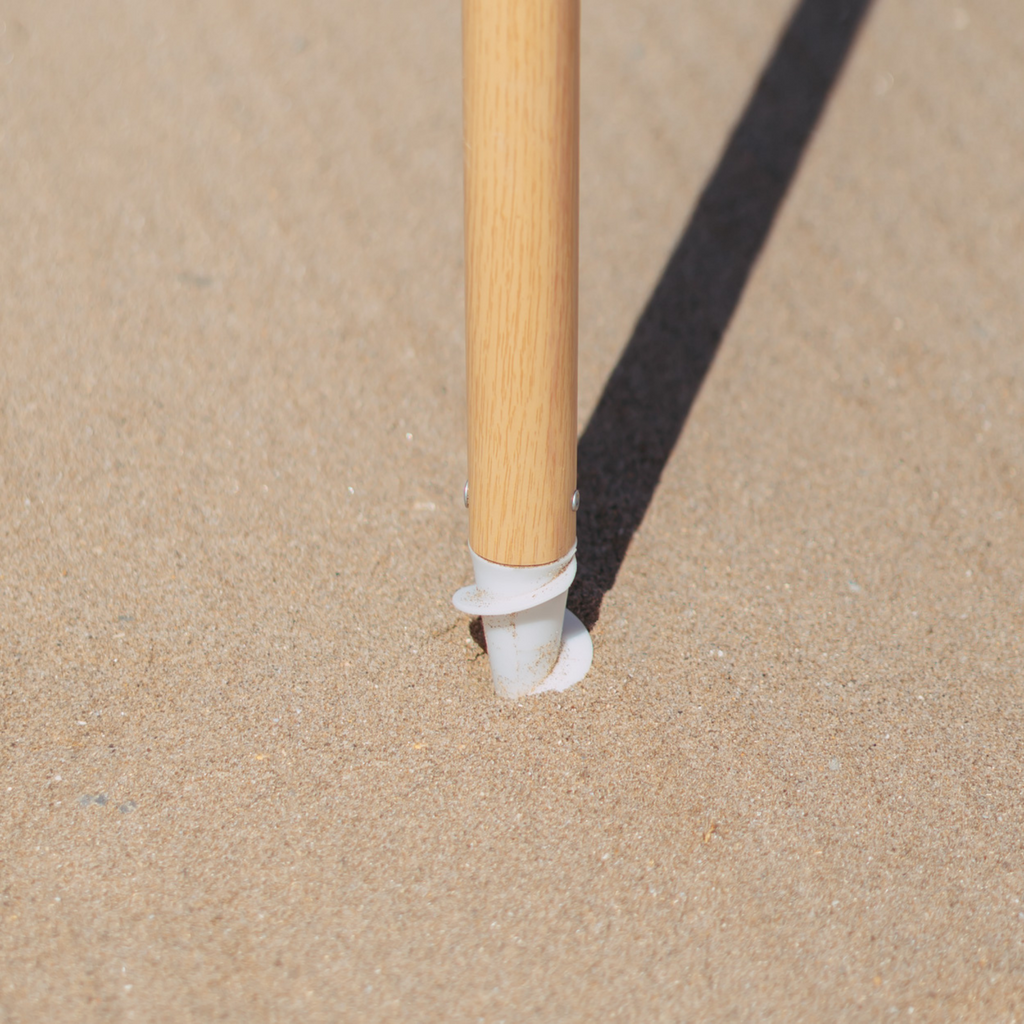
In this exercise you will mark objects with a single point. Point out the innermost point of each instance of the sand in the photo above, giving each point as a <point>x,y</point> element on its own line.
<point>253,768</point>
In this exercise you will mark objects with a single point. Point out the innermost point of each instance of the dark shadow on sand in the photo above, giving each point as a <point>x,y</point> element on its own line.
<point>645,403</point>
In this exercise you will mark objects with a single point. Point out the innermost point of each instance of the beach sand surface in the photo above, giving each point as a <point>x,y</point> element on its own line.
<point>253,768</point>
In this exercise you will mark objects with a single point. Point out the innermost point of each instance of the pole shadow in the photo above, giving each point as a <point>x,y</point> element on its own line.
<point>648,396</point>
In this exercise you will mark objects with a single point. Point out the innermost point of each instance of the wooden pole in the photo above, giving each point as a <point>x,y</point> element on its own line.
<point>521,133</point>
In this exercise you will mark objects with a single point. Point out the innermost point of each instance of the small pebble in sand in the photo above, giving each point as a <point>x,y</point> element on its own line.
<point>100,799</point>
<point>127,808</point>
<point>834,764</point>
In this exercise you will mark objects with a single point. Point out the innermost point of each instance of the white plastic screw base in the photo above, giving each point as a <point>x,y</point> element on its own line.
<point>534,643</point>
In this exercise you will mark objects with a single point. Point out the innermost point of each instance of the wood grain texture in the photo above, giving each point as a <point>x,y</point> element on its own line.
<point>521,129</point>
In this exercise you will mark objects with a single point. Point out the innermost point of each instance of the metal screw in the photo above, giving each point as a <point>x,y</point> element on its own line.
<point>576,501</point>
<point>465,495</point>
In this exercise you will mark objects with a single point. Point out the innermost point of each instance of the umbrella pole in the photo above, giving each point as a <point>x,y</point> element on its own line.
<point>521,135</point>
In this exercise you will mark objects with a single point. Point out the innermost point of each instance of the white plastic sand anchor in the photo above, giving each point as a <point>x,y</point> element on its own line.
<point>534,643</point>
